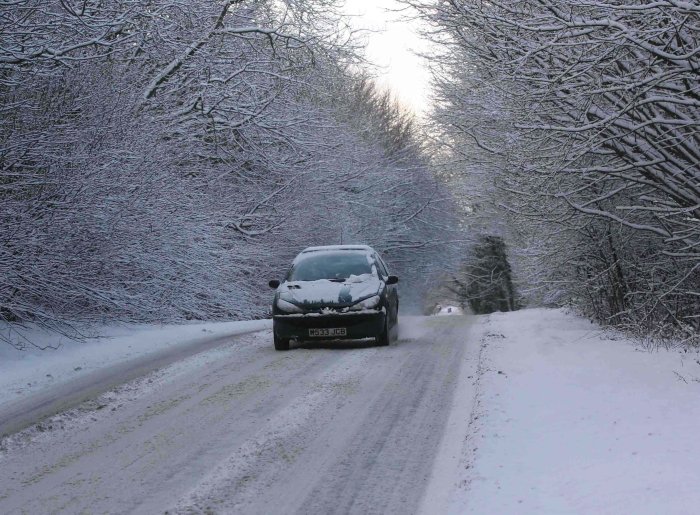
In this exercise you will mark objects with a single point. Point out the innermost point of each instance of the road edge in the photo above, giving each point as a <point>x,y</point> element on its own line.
<point>451,452</point>
<point>19,415</point>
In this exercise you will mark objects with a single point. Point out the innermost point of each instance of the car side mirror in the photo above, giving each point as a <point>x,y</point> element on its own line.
<point>392,279</point>
<point>274,284</point>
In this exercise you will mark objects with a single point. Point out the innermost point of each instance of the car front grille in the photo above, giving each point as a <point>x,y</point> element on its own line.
<point>327,321</point>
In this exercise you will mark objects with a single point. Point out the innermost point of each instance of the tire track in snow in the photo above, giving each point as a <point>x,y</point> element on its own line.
<point>232,474</point>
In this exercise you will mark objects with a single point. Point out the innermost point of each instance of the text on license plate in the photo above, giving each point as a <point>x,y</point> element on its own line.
<point>341,331</point>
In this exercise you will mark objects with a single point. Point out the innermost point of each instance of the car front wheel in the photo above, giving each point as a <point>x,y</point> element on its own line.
<point>281,343</point>
<point>383,338</point>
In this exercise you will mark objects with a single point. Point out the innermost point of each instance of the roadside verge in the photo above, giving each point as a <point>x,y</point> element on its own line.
<point>569,419</point>
<point>54,381</point>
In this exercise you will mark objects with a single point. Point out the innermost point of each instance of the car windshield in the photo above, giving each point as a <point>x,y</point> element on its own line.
<point>327,265</point>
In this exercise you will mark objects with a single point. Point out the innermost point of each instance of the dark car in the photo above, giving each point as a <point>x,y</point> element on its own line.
<point>341,292</point>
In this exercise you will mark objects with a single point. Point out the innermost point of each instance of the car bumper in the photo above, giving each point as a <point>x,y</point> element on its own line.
<point>357,326</point>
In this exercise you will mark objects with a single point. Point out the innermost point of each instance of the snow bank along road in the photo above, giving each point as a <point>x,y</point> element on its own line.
<point>568,419</point>
<point>240,428</point>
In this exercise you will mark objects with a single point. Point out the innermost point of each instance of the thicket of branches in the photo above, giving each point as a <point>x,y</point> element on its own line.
<point>579,121</point>
<point>484,282</point>
<point>160,160</point>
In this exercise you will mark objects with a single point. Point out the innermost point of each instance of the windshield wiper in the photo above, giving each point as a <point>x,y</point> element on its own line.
<point>337,280</point>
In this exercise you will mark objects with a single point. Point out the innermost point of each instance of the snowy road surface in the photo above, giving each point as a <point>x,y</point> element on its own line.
<point>56,396</point>
<point>324,428</point>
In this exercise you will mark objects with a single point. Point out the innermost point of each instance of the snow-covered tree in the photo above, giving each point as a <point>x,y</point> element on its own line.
<point>161,160</point>
<point>584,117</point>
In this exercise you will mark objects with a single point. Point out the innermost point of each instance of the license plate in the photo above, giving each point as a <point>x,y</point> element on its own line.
<point>328,333</point>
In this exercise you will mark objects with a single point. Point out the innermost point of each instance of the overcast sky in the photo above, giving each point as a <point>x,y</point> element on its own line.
<point>391,49</point>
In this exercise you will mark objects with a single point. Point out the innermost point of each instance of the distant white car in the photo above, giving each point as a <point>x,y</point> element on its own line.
<point>448,310</point>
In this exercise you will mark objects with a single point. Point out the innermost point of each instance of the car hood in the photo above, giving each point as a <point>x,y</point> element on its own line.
<point>325,293</point>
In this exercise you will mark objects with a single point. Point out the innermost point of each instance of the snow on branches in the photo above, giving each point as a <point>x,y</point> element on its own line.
<point>587,115</point>
<point>162,160</point>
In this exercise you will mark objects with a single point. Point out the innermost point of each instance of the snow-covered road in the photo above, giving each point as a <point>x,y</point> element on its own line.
<point>102,365</point>
<point>324,428</point>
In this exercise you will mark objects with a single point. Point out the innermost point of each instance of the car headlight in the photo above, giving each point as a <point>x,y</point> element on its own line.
<point>369,303</point>
<point>288,307</point>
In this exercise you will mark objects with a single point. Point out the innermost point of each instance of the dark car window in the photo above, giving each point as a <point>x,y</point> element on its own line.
<point>381,267</point>
<point>330,266</point>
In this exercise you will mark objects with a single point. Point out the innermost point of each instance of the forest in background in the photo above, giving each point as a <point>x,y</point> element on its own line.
<point>572,130</point>
<point>161,160</point>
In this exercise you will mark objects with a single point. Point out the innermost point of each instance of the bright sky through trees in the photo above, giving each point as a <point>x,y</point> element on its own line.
<point>391,49</point>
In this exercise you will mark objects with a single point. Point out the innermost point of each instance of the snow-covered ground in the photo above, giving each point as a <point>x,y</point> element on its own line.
<point>30,371</point>
<point>550,415</point>
<point>567,420</point>
<point>342,427</point>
